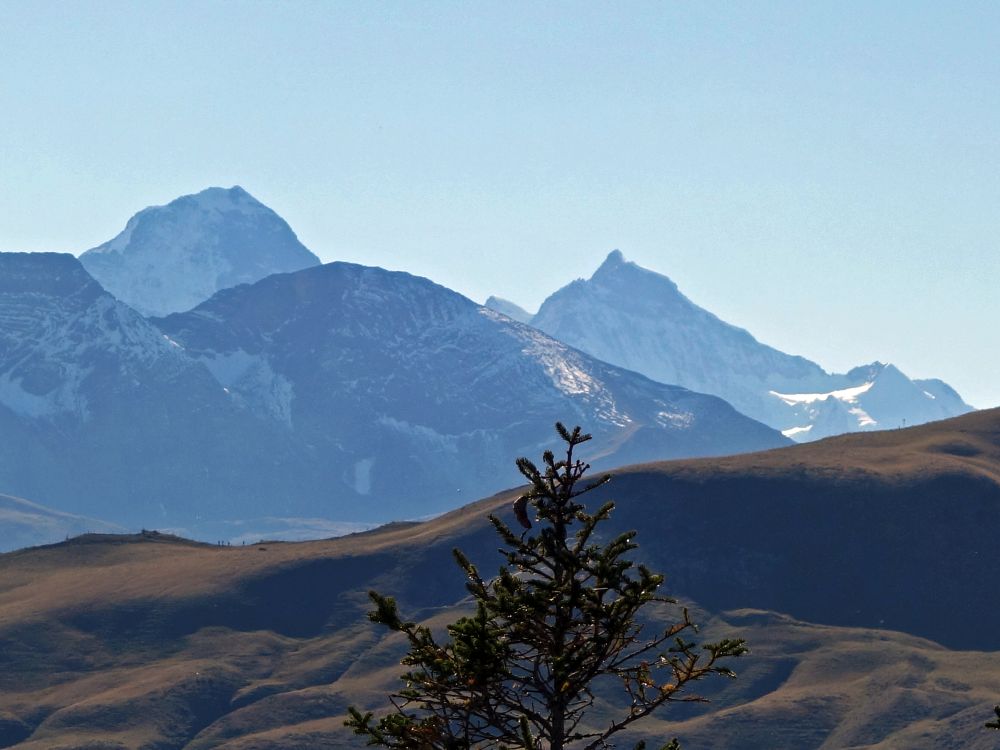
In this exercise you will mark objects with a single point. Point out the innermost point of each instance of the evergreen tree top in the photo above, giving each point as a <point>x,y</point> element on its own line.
<point>558,626</point>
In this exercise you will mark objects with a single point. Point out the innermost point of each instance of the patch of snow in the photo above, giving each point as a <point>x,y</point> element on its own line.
<point>363,476</point>
<point>253,378</point>
<point>233,199</point>
<point>675,419</point>
<point>864,419</point>
<point>567,378</point>
<point>847,395</point>
<point>564,367</point>
<point>22,403</point>
<point>797,433</point>
<point>424,434</point>
<point>610,414</point>
<point>64,399</point>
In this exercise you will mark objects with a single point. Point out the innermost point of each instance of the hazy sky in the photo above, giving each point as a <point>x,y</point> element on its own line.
<point>826,175</point>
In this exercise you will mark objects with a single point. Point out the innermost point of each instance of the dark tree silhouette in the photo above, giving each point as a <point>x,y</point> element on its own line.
<point>555,655</point>
<point>995,724</point>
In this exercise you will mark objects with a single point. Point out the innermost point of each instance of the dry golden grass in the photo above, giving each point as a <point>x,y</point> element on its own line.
<point>152,642</point>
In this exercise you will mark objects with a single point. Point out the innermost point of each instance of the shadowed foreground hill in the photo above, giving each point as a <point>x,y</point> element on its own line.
<point>153,642</point>
<point>892,529</point>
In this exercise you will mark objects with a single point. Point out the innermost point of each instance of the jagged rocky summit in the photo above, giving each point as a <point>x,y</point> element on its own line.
<point>639,319</point>
<point>171,258</point>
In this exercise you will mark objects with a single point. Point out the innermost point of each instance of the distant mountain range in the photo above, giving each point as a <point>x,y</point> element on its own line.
<point>283,396</point>
<point>171,258</point>
<point>858,569</point>
<point>414,397</point>
<point>336,392</point>
<point>284,402</point>
<point>639,319</point>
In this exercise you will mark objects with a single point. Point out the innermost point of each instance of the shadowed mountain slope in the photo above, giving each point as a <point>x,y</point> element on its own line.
<point>103,416</point>
<point>882,540</point>
<point>895,528</point>
<point>413,395</point>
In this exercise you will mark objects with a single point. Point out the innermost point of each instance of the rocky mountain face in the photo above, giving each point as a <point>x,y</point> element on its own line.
<point>171,258</point>
<point>102,415</point>
<point>416,398</point>
<point>338,392</point>
<point>638,319</point>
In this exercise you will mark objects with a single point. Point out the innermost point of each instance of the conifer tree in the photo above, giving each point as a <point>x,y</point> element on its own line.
<point>554,633</point>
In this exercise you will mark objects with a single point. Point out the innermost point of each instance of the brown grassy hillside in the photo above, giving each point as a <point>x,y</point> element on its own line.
<point>892,529</point>
<point>152,642</point>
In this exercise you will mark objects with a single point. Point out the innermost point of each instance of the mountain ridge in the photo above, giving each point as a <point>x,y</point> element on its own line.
<point>403,361</point>
<point>640,320</point>
<point>306,400</point>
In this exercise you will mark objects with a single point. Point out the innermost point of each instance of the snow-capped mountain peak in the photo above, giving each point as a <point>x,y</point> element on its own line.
<point>171,258</point>
<point>639,319</point>
<point>227,199</point>
<point>880,396</point>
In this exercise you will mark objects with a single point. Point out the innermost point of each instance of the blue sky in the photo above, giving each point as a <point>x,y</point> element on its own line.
<point>824,175</point>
